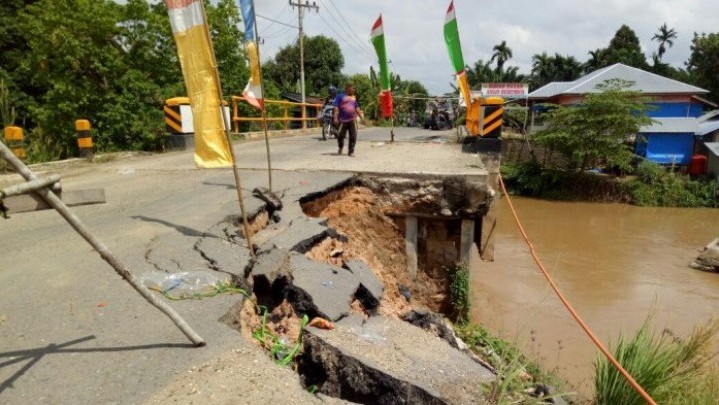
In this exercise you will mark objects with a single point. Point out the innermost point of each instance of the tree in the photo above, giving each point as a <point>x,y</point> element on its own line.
<point>481,72</point>
<point>111,63</point>
<point>367,92</point>
<point>664,37</point>
<point>502,53</point>
<point>703,62</point>
<point>624,48</point>
<point>13,49</point>
<point>594,62</point>
<point>546,69</point>
<point>323,66</point>
<point>593,133</point>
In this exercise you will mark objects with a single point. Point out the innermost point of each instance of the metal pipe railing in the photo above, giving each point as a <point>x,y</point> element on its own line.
<point>286,119</point>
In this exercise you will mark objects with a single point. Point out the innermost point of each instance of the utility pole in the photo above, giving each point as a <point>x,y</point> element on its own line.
<point>300,13</point>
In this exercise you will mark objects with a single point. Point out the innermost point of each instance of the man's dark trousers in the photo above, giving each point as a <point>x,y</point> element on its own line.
<point>352,128</point>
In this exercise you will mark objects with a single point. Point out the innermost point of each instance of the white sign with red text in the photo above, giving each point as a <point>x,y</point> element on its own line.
<point>505,90</point>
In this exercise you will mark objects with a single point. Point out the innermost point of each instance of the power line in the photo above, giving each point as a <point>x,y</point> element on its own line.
<point>282,32</point>
<point>355,45</point>
<point>276,21</point>
<point>340,36</point>
<point>279,30</point>
<point>359,40</point>
<point>276,17</point>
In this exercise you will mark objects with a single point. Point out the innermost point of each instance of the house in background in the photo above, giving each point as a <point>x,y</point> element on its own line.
<point>708,133</point>
<point>676,107</point>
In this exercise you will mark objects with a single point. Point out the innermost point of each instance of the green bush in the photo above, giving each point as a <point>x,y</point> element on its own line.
<point>459,292</point>
<point>531,180</point>
<point>523,178</point>
<point>655,186</point>
<point>671,370</point>
<point>649,173</point>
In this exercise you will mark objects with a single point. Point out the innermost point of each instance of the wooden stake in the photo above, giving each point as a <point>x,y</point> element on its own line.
<point>262,90</point>
<point>226,121</point>
<point>31,185</point>
<point>53,200</point>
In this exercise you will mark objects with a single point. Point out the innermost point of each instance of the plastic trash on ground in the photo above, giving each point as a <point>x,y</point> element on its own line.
<point>186,285</point>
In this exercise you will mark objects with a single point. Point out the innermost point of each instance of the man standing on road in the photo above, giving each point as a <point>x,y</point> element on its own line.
<point>345,115</point>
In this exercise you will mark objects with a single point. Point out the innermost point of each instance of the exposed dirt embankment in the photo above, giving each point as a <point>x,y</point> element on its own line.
<point>373,238</point>
<point>378,240</point>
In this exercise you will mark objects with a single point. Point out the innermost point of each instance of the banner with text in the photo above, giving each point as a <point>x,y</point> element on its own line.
<point>505,90</point>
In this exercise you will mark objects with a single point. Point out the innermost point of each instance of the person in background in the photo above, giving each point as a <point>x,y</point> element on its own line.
<point>346,111</point>
<point>332,94</point>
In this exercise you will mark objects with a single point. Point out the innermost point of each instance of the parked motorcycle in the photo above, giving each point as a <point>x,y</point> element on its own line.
<point>328,127</point>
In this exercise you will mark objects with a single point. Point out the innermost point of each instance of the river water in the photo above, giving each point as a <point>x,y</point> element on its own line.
<point>615,263</point>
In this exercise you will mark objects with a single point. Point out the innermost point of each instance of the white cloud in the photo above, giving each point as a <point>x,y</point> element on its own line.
<point>413,29</point>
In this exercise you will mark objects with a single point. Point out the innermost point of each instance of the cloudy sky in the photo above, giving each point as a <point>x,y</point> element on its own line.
<point>415,44</point>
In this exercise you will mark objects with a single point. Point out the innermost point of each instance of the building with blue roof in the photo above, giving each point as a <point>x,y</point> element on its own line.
<point>676,108</point>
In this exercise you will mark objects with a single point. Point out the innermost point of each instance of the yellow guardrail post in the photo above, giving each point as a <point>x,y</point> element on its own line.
<point>84,138</point>
<point>235,113</point>
<point>14,138</point>
<point>287,117</point>
<point>490,124</point>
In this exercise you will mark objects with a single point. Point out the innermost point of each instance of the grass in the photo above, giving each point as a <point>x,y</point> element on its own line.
<point>279,350</point>
<point>671,370</point>
<point>517,376</point>
<point>459,292</point>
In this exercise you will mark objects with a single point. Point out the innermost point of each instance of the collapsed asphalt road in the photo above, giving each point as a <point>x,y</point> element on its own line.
<point>72,332</point>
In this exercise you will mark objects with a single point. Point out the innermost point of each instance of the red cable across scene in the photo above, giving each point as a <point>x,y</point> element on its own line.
<point>571,309</point>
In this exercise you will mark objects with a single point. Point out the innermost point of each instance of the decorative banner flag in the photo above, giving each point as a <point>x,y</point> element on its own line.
<point>197,59</point>
<point>451,37</point>
<point>253,90</point>
<point>377,38</point>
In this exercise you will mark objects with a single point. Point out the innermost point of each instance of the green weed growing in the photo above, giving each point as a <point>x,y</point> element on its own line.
<point>671,370</point>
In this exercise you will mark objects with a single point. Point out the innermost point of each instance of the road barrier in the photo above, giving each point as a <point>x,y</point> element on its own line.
<point>285,119</point>
<point>484,117</point>
<point>173,114</point>
<point>14,138</point>
<point>84,138</point>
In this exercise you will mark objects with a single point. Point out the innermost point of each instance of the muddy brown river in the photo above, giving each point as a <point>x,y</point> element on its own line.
<point>615,263</point>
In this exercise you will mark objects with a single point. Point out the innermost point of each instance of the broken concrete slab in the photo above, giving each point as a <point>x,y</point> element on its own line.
<point>272,265</point>
<point>273,202</point>
<point>320,288</point>
<point>434,323</point>
<point>271,276</point>
<point>224,255</point>
<point>301,234</point>
<point>389,361</point>
<point>371,289</point>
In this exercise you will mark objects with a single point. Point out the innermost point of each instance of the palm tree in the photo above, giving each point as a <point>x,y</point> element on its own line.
<point>502,53</point>
<point>595,61</point>
<point>664,37</point>
<point>542,72</point>
<point>567,68</point>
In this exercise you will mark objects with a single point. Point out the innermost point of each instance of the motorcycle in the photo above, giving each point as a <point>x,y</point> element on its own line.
<point>328,127</point>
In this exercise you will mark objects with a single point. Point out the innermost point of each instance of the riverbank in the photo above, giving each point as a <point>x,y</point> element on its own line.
<point>616,263</point>
<point>533,171</point>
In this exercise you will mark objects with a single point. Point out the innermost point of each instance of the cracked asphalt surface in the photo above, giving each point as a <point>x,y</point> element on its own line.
<point>71,331</point>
